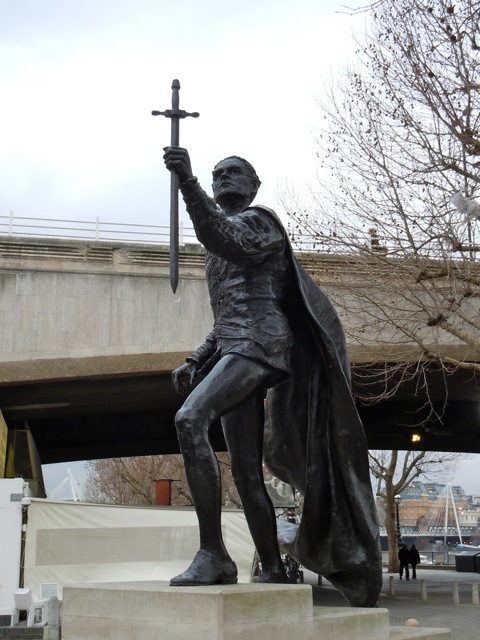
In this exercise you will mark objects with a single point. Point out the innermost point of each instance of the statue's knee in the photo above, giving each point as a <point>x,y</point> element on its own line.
<point>182,422</point>
<point>189,430</point>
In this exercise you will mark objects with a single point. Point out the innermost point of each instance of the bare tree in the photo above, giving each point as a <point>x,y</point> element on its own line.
<point>362,8</point>
<point>393,472</point>
<point>401,136</point>
<point>131,481</point>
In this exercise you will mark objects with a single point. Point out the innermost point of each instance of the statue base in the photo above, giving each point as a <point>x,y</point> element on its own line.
<point>152,610</point>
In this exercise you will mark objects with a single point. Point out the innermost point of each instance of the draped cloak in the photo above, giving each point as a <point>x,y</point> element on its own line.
<point>314,440</point>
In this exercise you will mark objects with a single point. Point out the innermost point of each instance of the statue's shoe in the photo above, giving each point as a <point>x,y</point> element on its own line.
<point>272,578</point>
<point>207,569</point>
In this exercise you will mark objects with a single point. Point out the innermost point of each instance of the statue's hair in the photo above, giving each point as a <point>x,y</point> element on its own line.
<point>252,174</point>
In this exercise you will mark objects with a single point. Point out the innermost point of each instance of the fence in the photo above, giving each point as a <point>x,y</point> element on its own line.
<point>95,230</point>
<point>438,558</point>
<point>98,230</point>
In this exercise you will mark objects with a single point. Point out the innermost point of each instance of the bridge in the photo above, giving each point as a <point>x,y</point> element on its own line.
<point>90,332</point>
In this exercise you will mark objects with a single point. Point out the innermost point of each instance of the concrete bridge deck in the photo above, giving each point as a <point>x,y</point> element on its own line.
<point>90,332</point>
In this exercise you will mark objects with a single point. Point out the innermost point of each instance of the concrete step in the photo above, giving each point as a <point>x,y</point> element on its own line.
<point>21,633</point>
<point>342,623</point>
<point>419,633</point>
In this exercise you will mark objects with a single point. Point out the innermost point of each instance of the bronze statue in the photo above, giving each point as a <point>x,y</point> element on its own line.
<point>275,336</point>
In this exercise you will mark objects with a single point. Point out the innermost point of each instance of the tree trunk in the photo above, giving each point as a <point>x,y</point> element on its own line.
<point>390,524</point>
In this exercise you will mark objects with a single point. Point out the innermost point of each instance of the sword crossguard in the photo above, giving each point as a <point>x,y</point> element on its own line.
<point>175,113</point>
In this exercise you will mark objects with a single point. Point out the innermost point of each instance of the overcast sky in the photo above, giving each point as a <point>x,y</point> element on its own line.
<point>78,82</point>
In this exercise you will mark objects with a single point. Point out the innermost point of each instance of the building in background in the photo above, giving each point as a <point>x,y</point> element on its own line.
<point>429,507</point>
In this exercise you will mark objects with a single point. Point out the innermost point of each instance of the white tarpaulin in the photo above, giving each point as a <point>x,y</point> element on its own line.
<point>72,542</point>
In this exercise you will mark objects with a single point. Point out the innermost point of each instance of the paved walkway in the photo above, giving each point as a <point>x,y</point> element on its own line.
<point>438,610</point>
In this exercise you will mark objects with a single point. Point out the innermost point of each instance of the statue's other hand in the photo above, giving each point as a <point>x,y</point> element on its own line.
<point>178,159</point>
<point>183,377</point>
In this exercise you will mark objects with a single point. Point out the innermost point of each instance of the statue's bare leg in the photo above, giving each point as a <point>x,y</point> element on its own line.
<point>232,381</point>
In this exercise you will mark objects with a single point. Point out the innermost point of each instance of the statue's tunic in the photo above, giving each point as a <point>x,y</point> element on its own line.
<point>249,277</point>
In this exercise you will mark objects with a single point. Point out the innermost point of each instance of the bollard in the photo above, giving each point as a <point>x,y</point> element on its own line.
<point>423,589</point>
<point>391,586</point>
<point>456,596</point>
<point>475,598</point>
<point>52,630</point>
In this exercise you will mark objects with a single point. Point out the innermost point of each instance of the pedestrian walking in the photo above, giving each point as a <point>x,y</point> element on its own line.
<point>404,557</point>
<point>414,559</point>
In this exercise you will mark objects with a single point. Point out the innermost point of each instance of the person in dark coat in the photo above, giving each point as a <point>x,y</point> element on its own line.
<point>414,559</point>
<point>404,557</point>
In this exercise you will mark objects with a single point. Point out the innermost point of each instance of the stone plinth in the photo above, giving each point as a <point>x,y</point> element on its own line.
<point>152,610</point>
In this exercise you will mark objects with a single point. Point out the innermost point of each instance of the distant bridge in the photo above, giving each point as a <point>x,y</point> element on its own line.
<point>90,332</point>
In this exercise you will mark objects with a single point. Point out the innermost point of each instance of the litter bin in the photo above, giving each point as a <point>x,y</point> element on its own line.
<point>468,561</point>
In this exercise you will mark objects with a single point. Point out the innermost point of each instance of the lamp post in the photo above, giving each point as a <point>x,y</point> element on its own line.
<point>397,504</point>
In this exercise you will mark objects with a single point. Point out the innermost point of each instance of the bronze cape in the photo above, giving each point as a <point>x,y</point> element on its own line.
<point>314,440</point>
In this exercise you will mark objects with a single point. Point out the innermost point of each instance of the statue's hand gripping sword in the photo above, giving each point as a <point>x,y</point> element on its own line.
<point>174,114</point>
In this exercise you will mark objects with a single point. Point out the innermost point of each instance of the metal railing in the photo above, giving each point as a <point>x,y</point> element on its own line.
<point>429,558</point>
<point>101,231</point>
<point>96,230</point>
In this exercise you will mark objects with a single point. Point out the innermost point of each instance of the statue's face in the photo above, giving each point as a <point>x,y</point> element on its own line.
<point>231,179</point>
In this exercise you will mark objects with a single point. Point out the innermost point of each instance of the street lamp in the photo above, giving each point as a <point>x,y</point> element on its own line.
<point>397,504</point>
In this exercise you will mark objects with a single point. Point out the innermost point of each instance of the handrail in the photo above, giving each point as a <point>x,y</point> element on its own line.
<point>102,231</point>
<point>96,230</point>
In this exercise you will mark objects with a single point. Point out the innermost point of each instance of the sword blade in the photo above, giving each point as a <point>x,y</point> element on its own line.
<point>175,141</point>
<point>174,244</point>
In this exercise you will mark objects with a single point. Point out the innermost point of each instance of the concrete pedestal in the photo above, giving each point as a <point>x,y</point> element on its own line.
<point>155,611</point>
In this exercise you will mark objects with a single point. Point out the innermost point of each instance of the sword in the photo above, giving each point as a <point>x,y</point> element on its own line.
<point>175,113</point>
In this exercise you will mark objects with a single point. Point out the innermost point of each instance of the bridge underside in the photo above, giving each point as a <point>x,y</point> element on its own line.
<point>83,418</point>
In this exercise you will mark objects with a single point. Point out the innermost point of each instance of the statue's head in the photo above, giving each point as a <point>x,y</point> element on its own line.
<point>234,178</point>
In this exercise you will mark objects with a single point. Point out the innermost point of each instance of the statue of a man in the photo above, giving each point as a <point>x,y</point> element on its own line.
<point>275,336</point>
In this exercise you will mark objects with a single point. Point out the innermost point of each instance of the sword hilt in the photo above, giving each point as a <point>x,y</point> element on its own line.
<point>175,113</point>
